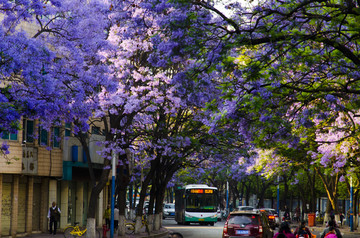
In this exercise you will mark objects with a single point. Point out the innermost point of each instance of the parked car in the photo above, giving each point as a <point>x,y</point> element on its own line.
<point>146,209</point>
<point>169,210</point>
<point>247,223</point>
<point>245,208</point>
<point>273,217</point>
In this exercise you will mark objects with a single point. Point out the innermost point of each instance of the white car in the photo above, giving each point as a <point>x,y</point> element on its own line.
<point>245,208</point>
<point>169,210</point>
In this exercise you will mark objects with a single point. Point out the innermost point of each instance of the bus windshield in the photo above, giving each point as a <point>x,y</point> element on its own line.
<point>201,203</point>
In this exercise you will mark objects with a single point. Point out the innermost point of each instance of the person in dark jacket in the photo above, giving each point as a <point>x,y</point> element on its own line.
<point>54,216</point>
<point>331,227</point>
<point>284,230</point>
<point>302,229</point>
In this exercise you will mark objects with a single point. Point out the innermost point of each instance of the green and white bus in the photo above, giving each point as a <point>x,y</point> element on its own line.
<point>196,203</point>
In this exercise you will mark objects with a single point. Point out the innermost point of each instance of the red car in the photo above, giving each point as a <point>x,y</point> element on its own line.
<point>253,224</point>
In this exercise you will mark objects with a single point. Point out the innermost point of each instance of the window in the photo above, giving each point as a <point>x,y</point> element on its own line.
<point>9,136</point>
<point>28,135</point>
<point>245,219</point>
<point>43,136</point>
<point>67,129</point>
<point>95,130</point>
<point>56,137</point>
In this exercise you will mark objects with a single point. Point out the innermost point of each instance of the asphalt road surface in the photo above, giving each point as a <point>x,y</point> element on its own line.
<point>195,230</point>
<point>202,231</point>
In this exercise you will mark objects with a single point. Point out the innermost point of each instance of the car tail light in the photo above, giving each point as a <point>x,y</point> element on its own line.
<point>225,228</point>
<point>271,217</point>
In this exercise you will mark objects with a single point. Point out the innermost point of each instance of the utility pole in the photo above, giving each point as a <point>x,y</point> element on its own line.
<point>113,194</point>
<point>351,205</point>
<point>278,197</point>
<point>227,197</point>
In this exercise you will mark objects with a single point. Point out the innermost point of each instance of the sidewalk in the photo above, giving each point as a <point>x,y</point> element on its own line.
<point>344,229</point>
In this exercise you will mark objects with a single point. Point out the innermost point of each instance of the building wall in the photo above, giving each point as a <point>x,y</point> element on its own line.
<point>79,207</point>
<point>12,163</point>
<point>31,178</point>
<point>64,204</point>
<point>49,162</point>
<point>22,206</point>
<point>6,206</point>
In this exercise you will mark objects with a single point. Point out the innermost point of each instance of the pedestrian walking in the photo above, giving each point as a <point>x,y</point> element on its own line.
<point>54,216</point>
<point>116,218</point>
<point>107,215</point>
<point>341,218</point>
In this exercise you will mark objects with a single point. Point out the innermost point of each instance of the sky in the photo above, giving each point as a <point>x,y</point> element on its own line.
<point>220,4</point>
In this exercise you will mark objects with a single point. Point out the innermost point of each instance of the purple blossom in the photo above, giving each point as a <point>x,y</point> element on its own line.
<point>330,98</point>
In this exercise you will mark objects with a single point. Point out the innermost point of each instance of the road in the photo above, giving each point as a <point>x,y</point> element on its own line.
<point>195,230</point>
<point>201,231</point>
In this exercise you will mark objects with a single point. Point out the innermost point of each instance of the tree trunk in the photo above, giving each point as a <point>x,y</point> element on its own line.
<point>330,184</point>
<point>121,228</point>
<point>91,228</point>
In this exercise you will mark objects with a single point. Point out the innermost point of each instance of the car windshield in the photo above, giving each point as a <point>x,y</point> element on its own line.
<point>169,206</point>
<point>246,208</point>
<point>201,203</point>
<point>270,211</point>
<point>244,219</point>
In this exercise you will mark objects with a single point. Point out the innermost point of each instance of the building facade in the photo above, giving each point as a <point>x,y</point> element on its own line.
<point>42,167</point>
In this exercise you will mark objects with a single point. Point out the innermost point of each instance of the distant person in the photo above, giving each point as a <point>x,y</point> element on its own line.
<point>284,230</point>
<point>297,214</point>
<point>54,216</point>
<point>107,215</point>
<point>286,213</point>
<point>341,219</point>
<point>302,231</point>
<point>116,218</point>
<point>330,231</point>
<point>332,218</point>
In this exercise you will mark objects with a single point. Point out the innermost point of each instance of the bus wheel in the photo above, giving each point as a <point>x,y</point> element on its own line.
<point>212,223</point>
<point>187,223</point>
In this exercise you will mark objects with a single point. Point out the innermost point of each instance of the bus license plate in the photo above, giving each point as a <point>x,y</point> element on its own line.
<point>201,219</point>
<point>242,232</point>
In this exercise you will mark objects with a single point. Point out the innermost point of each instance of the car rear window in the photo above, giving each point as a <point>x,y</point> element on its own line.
<point>244,219</point>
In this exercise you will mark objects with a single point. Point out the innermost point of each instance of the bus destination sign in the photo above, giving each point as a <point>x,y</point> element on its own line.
<point>208,191</point>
